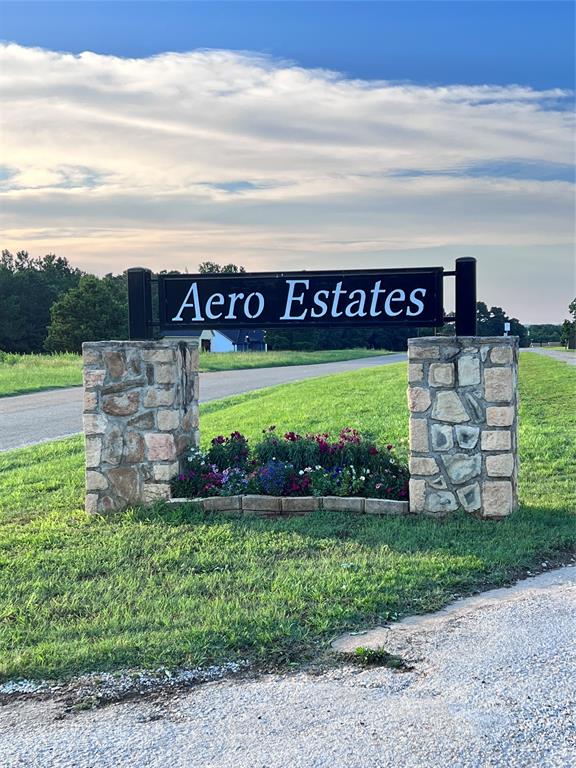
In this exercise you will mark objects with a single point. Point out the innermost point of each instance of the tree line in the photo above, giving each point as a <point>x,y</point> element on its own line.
<point>46,305</point>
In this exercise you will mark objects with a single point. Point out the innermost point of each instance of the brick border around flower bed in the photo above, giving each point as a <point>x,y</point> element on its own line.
<point>285,506</point>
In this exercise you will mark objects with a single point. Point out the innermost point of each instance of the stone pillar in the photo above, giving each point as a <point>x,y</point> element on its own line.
<point>140,418</point>
<point>463,400</point>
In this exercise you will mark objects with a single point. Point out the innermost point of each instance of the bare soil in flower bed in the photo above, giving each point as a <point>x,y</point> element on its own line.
<point>275,506</point>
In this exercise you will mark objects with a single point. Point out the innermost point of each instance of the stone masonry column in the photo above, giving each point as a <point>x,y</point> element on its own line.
<point>463,400</point>
<point>140,418</point>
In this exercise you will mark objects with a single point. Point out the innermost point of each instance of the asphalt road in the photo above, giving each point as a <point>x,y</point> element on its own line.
<point>567,356</point>
<point>41,416</point>
<point>493,684</point>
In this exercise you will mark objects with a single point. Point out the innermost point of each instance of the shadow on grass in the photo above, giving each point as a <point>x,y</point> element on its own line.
<point>519,542</point>
<point>172,585</point>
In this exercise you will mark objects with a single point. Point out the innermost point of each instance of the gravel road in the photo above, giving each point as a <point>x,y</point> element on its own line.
<point>41,416</point>
<point>493,685</point>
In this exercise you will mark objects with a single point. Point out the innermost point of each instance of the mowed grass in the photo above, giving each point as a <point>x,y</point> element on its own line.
<point>31,373</point>
<point>227,361</point>
<point>173,586</point>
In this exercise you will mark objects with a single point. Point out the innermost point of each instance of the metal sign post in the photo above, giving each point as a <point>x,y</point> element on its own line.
<point>140,325</point>
<point>466,296</point>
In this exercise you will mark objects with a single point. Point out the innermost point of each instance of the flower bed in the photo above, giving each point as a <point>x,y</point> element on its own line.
<point>347,469</point>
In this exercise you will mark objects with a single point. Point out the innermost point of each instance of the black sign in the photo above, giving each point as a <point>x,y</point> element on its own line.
<point>361,298</point>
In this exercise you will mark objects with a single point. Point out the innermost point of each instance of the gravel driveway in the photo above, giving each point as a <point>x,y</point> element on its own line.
<point>493,684</point>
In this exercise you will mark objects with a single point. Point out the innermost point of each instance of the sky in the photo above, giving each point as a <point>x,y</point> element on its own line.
<point>295,135</point>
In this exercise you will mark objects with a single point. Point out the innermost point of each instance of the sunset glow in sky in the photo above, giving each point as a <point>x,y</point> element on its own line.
<point>245,155</point>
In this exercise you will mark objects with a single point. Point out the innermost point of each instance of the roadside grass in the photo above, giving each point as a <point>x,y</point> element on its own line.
<point>227,361</point>
<point>172,586</point>
<point>373,401</point>
<point>31,373</point>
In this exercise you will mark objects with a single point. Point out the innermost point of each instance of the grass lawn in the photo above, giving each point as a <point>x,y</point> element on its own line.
<point>227,361</point>
<point>29,373</point>
<point>179,587</point>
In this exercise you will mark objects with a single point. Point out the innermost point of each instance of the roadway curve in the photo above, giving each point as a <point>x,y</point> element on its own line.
<point>52,414</point>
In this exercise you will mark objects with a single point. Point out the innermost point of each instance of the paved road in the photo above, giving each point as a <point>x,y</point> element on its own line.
<point>568,356</point>
<point>493,684</point>
<point>41,416</point>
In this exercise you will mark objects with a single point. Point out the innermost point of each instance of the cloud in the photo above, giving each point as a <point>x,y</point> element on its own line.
<point>227,155</point>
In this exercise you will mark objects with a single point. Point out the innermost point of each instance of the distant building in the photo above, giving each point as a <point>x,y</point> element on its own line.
<point>234,340</point>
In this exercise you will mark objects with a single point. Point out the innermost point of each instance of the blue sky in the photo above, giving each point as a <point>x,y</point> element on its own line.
<point>295,135</point>
<point>530,43</point>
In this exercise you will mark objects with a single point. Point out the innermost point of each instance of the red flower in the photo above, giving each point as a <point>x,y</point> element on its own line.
<point>373,450</point>
<point>350,435</point>
<point>389,447</point>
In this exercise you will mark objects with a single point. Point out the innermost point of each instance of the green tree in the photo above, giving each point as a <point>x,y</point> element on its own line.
<point>490,322</point>
<point>393,337</point>
<point>212,268</point>
<point>569,327</point>
<point>96,310</point>
<point>12,321</point>
<point>28,288</point>
<point>542,333</point>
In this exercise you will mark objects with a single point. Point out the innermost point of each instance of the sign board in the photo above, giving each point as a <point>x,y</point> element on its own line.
<point>360,298</point>
<point>187,304</point>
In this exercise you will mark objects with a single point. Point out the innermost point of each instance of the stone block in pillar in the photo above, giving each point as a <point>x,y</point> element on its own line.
<point>140,418</point>
<point>463,401</point>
